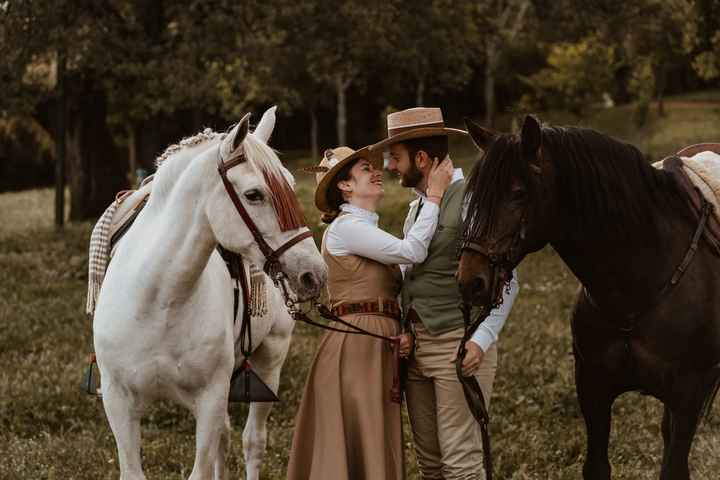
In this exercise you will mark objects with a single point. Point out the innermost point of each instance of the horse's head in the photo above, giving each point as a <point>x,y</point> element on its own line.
<point>253,210</point>
<point>509,210</point>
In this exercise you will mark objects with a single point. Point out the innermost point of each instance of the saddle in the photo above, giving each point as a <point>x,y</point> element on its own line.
<point>131,203</point>
<point>697,170</point>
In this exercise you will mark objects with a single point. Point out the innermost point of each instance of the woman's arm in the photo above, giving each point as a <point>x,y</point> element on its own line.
<point>352,236</point>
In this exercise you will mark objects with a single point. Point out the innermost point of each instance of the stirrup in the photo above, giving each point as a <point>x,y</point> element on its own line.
<point>246,386</point>
<point>91,378</point>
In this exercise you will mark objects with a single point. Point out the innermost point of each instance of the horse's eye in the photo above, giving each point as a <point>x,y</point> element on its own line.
<point>254,196</point>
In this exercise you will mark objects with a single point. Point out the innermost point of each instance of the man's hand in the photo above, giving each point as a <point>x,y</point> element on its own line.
<point>405,345</point>
<point>473,358</point>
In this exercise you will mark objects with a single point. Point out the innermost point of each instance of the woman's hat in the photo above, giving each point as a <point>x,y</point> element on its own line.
<point>416,122</point>
<point>332,162</point>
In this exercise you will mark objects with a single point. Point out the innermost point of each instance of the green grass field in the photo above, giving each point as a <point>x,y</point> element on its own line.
<point>50,430</point>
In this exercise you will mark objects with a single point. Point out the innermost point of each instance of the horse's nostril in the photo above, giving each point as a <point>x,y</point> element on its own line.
<point>308,280</point>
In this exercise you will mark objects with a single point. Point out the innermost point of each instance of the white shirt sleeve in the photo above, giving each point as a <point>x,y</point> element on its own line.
<point>349,235</point>
<point>488,332</point>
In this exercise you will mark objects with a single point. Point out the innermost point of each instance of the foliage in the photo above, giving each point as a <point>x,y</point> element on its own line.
<point>707,63</point>
<point>577,74</point>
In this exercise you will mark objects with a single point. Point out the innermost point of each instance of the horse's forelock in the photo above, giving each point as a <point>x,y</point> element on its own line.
<point>489,181</point>
<point>279,181</point>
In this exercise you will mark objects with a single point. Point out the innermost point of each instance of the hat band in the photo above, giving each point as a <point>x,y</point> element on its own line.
<point>397,130</point>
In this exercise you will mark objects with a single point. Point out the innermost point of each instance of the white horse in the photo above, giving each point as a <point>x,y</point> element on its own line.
<point>163,325</point>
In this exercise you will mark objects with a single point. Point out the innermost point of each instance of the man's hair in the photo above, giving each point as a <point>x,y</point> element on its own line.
<point>435,147</point>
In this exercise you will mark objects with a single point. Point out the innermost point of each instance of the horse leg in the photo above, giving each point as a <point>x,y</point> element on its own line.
<point>682,425</point>
<point>595,403</point>
<point>220,469</point>
<point>210,427</point>
<point>682,415</point>
<point>124,412</point>
<point>268,360</point>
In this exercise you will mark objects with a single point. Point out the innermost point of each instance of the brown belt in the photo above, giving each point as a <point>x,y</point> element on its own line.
<point>382,306</point>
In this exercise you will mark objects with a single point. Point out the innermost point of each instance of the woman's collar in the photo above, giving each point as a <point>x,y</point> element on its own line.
<point>358,211</point>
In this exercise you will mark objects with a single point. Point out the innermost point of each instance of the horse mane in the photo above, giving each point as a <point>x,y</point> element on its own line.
<point>262,158</point>
<point>601,184</point>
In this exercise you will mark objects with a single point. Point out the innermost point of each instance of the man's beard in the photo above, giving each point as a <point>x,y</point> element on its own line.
<point>412,177</point>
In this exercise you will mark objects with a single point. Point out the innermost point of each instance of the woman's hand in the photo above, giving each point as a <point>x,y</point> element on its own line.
<point>439,178</point>
<point>405,342</point>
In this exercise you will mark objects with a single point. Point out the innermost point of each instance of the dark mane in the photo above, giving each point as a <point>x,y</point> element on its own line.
<point>601,184</point>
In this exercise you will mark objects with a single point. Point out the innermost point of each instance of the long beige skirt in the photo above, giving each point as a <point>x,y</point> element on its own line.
<point>347,427</point>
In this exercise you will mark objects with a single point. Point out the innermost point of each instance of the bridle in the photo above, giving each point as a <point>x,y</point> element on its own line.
<point>501,266</point>
<point>501,262</point>
<point>272,265</point>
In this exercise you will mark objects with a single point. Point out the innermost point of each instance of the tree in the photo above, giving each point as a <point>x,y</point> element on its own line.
<point>500,23</point>
<point>577,74</point>
<point>434,45</point>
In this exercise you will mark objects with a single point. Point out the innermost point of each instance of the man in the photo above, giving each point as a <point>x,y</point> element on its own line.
<point>447,438</point>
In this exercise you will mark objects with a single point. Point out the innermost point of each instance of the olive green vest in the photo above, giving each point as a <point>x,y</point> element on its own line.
<point>430,287</point>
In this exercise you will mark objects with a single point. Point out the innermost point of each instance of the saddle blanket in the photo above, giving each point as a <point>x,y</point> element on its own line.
<point>113,224</point>
<point>703,170</point>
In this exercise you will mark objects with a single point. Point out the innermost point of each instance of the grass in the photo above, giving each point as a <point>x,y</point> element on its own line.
<point>50,430</point>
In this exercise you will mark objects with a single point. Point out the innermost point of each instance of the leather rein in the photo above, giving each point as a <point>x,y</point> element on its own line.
<point>273,269</point>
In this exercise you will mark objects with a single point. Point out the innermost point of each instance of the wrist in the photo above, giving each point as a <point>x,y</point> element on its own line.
<point>434,199</point>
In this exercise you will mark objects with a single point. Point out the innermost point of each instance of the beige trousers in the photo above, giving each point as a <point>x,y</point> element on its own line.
<point>447,439</point>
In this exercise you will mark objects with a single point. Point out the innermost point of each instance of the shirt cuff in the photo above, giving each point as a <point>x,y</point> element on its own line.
<point>482,339</point>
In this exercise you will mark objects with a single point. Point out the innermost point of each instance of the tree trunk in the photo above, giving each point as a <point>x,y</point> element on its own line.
<point>420,92</point>
<point>314,135</point>
<point>341,88</point>
<point>491,65</point>
<point>60,144</point>
<point>132,175</point>
<point>98,167</point>
<point>660,83</point>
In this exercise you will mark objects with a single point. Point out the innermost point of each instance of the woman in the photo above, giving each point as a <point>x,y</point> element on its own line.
<point>347,426</point>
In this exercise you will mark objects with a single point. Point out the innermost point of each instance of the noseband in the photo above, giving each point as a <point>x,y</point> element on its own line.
<point>272,257</point>
<point>500,262</point>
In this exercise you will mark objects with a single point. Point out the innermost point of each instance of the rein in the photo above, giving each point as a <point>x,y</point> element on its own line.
<point>273,269</point>
<point>324,311</point>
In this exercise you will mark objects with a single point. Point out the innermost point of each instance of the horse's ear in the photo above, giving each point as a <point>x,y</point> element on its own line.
<point>531,136</point>
<point>481,136</point>
<point>265,127</point>
<point>235,138</point>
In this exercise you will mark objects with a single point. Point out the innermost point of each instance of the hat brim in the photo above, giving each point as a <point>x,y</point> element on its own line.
<point>417,133</point>
<point>375,158</point>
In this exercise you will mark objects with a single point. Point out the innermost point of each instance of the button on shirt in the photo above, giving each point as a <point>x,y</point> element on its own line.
<point>356,232</point>
<point>489,331</point>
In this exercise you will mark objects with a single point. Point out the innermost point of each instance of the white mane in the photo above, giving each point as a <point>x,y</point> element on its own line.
<point>175,159</point>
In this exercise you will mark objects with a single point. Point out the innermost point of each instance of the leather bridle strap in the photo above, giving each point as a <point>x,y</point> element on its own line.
<point>472,390</point>
<point>272,257</point>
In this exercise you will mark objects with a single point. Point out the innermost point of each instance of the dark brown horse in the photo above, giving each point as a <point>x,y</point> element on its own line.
<point>623,228</point>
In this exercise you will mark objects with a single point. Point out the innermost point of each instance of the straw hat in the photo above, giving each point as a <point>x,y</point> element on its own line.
<point>332,162</point>
<point>418,122</point>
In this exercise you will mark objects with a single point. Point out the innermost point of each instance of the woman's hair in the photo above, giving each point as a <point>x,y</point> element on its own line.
<point>334,195</point>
